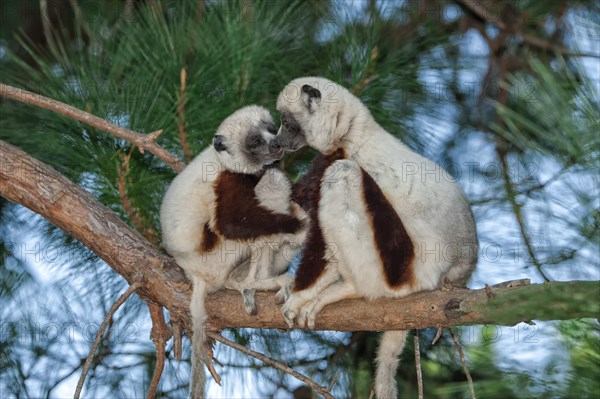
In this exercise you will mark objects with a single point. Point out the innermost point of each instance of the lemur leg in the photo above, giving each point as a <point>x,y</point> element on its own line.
<point>291,307</point>
<point>334,293</point>
<point>283,256</point>
<point>260,257</point>
<point>345,222</point>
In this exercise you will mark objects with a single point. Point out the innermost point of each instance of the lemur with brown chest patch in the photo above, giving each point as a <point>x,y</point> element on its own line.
<point>385,221</point>
<point>228,221</point>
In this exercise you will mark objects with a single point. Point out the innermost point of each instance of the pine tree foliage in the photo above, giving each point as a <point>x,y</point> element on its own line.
<point>514,122</point>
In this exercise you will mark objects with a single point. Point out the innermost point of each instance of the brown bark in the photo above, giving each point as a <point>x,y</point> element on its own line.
<point>142,141</point>
<point>42,189</point>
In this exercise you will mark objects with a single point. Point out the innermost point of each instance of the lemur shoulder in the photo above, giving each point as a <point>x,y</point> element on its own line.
<point>396,229</point>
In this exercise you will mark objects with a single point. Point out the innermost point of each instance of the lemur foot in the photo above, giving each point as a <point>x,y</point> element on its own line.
<point>307,316</point>
<point>290,309</point>
<point>282,295</point>
<point>249,302</point>
<point>289,316</point>
<point>446,286</point>
<point>285,283</point>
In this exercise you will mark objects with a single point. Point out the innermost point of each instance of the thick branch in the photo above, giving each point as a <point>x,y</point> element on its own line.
<point>37,186</point>
<point>42,189</point>
<point>142,141</point>
<point>483,13</point>
<point>508,306</point>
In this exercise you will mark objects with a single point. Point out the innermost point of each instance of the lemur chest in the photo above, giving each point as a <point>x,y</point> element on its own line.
<point>239,216</point>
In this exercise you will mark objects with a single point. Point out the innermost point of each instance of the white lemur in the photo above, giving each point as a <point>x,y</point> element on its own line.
<point>385,221</point>
<point>228,221</point>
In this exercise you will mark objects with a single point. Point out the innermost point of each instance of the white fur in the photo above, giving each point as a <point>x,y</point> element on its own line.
<point>189,204</point>
<point>432,207</point>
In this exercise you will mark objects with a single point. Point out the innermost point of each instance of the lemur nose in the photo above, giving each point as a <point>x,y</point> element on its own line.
<point>275,144</point>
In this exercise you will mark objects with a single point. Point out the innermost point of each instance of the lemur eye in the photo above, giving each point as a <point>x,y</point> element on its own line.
<point>255,141</point>
<point>271,128</point>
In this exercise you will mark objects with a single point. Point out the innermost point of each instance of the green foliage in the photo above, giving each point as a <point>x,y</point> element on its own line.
<point>556,113</point>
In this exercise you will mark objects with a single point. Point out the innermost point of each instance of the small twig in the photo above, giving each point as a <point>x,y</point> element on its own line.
<point>369,73</point>
<point>107,320</point>
<point>187,154</point>
<point>126,16</point>
<point>461,354</point>
<point>489,293</point>
<point>209,362</point>
<point>200,10</point>
<point>176,339</point>
<point>160,335</point>
<point>46,26</point>
<point>438,335</point>
<point>79,17</point>
<point>142,141</point>
<point>516,207</point>
<point>514,283</point>
<point>333,381</point>
<point>418,364</point>
<point>148,232</point>
<point>274,363</point>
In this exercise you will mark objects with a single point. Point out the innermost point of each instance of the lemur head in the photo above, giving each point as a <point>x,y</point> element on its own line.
<point>316,112</point>
<point>245,140</point>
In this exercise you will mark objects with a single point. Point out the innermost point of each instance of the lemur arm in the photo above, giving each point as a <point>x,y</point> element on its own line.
<point>308,187</point>
<point>238,214</point>
<point>301,192</point>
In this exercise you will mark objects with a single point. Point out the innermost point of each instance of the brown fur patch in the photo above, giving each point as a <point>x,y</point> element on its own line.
<point>307,193</point>
<point>209,240</point>
<point>395,247</point>
<point>239,215</point>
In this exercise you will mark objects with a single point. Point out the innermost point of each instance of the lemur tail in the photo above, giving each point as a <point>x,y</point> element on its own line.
<point>390,348</point>
<point>198,312</point>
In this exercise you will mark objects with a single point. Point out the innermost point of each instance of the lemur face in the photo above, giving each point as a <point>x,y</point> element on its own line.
<point>307,118</point>
<point>245,140</point>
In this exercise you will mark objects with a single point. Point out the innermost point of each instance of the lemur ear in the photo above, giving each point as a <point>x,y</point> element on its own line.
<point>219,143</point>
<point>312,92</point>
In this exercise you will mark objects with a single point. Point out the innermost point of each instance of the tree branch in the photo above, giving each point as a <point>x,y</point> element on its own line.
<point>145,142</point>
<point>461,354</point>
<point>187,153</point>
<point>516,207</point>
<point>483,13</point>
<point>418,364</point>
<point>280,366</point>
<point>42,189</point>
<point>123,170</point>
<point>100,333</point>
<point>160,334</point>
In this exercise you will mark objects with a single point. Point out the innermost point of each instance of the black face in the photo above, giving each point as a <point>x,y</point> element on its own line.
<point>291,137</point>
<point>260,150</point>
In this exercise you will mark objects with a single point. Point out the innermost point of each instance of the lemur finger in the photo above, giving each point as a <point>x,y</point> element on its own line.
<point>302,319</point>
<point>311,320</point>
<point>289,318</point>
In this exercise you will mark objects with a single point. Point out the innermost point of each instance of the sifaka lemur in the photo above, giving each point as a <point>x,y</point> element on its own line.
<point>228,221</point>
<point>384,221</point>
